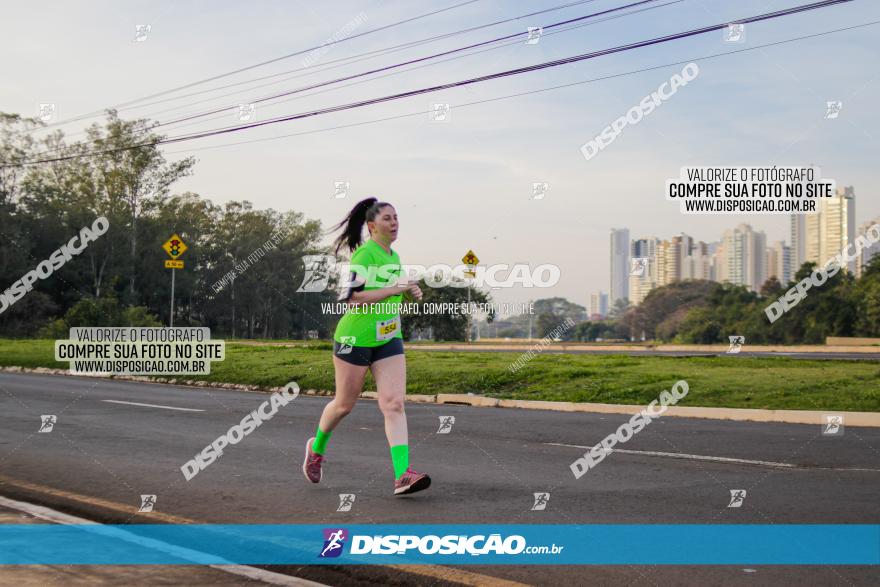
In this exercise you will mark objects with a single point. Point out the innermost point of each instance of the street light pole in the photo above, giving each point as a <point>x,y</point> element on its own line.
<point>468,338</point>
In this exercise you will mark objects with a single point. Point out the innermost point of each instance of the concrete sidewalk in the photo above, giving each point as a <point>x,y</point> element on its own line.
<point>871,419</point>
<point>121,575</point>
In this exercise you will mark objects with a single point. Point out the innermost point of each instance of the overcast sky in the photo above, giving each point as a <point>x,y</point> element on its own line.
<point>467,183</point>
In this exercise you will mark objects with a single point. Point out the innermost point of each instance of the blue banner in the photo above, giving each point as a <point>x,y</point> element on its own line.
<point>448,544</point>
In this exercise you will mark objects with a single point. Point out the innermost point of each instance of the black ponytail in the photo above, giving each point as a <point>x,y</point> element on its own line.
<point>352,226</point>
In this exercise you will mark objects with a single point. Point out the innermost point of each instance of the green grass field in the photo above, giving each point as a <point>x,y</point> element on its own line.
<point>733,382</point>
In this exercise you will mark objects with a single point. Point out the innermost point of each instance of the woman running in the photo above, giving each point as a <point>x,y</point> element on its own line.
<point>369,337</point>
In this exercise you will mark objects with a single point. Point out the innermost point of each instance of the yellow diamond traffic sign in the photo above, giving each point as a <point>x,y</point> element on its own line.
<point>174,246</point>
<point>470,258</point>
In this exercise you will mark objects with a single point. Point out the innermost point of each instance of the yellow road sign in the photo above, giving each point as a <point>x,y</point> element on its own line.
<point>470,274</point>
<point>172,264</point>
<point>470,258</point>
<point>174,246</point>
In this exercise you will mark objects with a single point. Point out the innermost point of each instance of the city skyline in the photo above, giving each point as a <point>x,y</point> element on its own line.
<point>742,255</point>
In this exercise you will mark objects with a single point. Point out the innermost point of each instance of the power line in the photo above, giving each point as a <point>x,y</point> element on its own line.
<point>262,63</point>
<point>472,53</point>
<point>515,42</point>
<point>340,62</point>
<point>511,72</point>
<point>498,75</point>
<point>520,94</point>
<point>366,55</point>
<point>410,62</point>
<point>176,122</point>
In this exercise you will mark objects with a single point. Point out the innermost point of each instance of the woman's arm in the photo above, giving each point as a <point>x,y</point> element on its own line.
<point>374,295</point>
<point>377,295</point>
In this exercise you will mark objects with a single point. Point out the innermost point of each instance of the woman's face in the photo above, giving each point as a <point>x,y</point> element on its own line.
<point>385,224</point>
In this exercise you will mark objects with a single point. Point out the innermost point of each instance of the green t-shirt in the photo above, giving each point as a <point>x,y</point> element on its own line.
<point>374,324</point>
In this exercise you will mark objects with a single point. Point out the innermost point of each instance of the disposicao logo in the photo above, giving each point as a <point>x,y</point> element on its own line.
<point>334,542</point>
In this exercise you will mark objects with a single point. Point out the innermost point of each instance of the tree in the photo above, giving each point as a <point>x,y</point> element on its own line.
<point>771,288</point>
<point>826,310</point>
<point>663,310</point>
<point>97,312</point>
<point>17,233</point>
<point>16,145</point>
<point>594,330</point>
<point>119,173</point>
<point>701,326</point>
<point>129,170</point>
<point>619,307</point>
<point>866,300</point>
<point>548,322</point>
<point>447,325</point>
<point>561,308</point>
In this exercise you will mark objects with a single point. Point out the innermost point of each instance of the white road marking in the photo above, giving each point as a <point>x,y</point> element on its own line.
<point>116,401</point>
<point>249,572</point>
<point>678,455</point>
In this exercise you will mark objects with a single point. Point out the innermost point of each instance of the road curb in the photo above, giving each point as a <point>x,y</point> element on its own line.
<point>866,419</point>
<point>862,419</point>
<point>159,380</point>
<point>467,399</point>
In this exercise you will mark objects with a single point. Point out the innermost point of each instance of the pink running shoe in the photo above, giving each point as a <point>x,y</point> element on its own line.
<point>312,463</point>
<point>410,482</point>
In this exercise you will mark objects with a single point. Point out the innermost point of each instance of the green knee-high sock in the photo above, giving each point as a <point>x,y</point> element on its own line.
<point>400,459</point>
<point>321,438</point>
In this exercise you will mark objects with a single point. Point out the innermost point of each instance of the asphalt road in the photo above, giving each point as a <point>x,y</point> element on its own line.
<point>484,471</point>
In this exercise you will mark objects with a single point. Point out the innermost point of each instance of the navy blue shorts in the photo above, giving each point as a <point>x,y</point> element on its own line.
<point>367,355</point>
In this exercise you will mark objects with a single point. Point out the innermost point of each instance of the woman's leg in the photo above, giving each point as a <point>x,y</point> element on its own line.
<point>349,384</point>
<point>390,376</point>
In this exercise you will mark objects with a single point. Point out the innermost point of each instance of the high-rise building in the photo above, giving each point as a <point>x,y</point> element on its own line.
<point>668,261</point>
<point>743,257</point>
<point>671,257</point>
<point>619,264</point>
<point>812,237</point>
<point>868,253</point>
<point>698,264</point>
<point>838,225</point>
<point>756,273</point>
<point>818,237</point>
<point>680,250</point>
<point>675,254</point>
<point>779,263</point>
<point>662,267</point>
<point>598,305</point>
<point>712,260</point>
<point>798,238</point>
<point>643,277</point>
<point>644,247</point>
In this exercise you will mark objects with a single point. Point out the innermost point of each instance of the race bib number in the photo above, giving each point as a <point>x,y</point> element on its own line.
<point>387,329</point>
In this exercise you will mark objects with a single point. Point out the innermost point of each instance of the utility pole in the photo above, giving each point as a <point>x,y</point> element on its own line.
<point>471,261</point>
<point>530,319</point>
<point>468,338</point>
<point>171,322</point>
<point>175,247</point>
